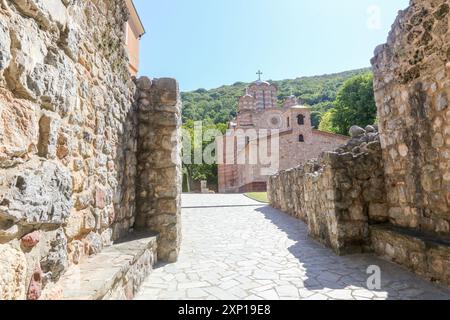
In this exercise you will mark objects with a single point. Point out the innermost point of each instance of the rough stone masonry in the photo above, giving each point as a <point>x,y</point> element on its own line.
<point>159,163</point>
<point>390,192</point>
<point>73,143</point>
<point>338,193</point>
<point>412,92</point>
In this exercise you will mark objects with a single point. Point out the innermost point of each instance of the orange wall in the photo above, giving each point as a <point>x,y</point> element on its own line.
<point>133,48</point>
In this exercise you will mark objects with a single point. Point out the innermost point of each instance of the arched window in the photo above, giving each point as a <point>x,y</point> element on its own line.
<point>301,138</point>
<point>301,119</point>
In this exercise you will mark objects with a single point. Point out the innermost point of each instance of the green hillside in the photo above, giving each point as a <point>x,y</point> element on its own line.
<point>219,105</point>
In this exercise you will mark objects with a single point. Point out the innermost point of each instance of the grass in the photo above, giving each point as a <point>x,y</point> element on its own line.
<point>258,196</point>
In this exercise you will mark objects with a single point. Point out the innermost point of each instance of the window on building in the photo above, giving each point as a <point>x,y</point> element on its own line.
<point>247,140</point>
<point>288,122</point>
<point>301,119</point>
<point>301,138</point>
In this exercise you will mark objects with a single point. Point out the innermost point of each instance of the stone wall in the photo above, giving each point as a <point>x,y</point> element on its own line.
<point>412,90</point>
<point>391,196</point>
<point>68,140</point>
<point>336,194</point>
<point>159,163</point>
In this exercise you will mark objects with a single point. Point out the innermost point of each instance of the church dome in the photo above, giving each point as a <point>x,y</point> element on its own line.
<point>260,82</point>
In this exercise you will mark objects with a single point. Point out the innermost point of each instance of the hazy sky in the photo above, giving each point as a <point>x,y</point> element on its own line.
<point>208,43</point>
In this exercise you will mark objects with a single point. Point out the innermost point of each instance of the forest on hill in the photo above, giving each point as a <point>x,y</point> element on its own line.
<point>220,105</point>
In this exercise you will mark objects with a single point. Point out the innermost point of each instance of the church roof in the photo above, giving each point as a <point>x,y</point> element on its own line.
<point>260,82</point>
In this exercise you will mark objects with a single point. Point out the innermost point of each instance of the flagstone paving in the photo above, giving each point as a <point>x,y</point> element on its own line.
<point>235,248</point>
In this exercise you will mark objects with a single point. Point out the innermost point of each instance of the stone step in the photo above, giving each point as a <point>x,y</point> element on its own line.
<point>114,274</point>
<point>423,253</point>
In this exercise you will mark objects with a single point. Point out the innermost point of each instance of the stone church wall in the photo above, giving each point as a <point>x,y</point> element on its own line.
<point>68,139</point>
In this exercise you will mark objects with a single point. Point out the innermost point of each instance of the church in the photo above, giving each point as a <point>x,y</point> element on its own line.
<point>297,140</point>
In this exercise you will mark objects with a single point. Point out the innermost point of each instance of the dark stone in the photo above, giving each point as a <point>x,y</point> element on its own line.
<point>356,132</point>
<point>57,259</point>
<point>441,12</point>
<point>411,74</point>
<point>144,83</point>
<point>35,287</point>
<point>426,39</point>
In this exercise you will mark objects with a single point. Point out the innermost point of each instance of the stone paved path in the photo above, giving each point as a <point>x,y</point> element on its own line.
<point>235,248</point>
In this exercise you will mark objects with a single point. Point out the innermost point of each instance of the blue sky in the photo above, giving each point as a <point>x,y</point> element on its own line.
<point>209,43</point>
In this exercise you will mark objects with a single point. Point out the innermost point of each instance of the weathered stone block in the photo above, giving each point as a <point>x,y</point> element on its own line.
<point>46,12</point>
<point>48,136</point>
<point>55,83</point>
<point>8,231</point>
<point>18,130</point>
<point>144,84</point>
<point>100,197</point>
<point>168,91</point>
<point>357,132</point>
<point>94,243</point>
<point>70,38</point>
<point>28,50</point>
<point>39,194</point>
<point>13,273</point>
<point>57,261</point>
<point>89,221</point>
<point>30,240</point>
<point>5,46</point>
<point>74,224</point>
<point>76,251</point>
<point>378,212</point>
<point>167,206</point>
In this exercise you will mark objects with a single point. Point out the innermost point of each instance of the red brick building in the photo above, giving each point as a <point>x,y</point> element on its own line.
<point>286,131</point>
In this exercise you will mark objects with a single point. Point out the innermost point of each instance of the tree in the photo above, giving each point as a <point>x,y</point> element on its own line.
<point>319,111</point>
<point>326,122</point>
<point>204,171</point>
<point>355,104</point>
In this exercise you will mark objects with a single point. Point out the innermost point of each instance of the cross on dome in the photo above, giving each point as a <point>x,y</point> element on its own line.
<point>259,73</point>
